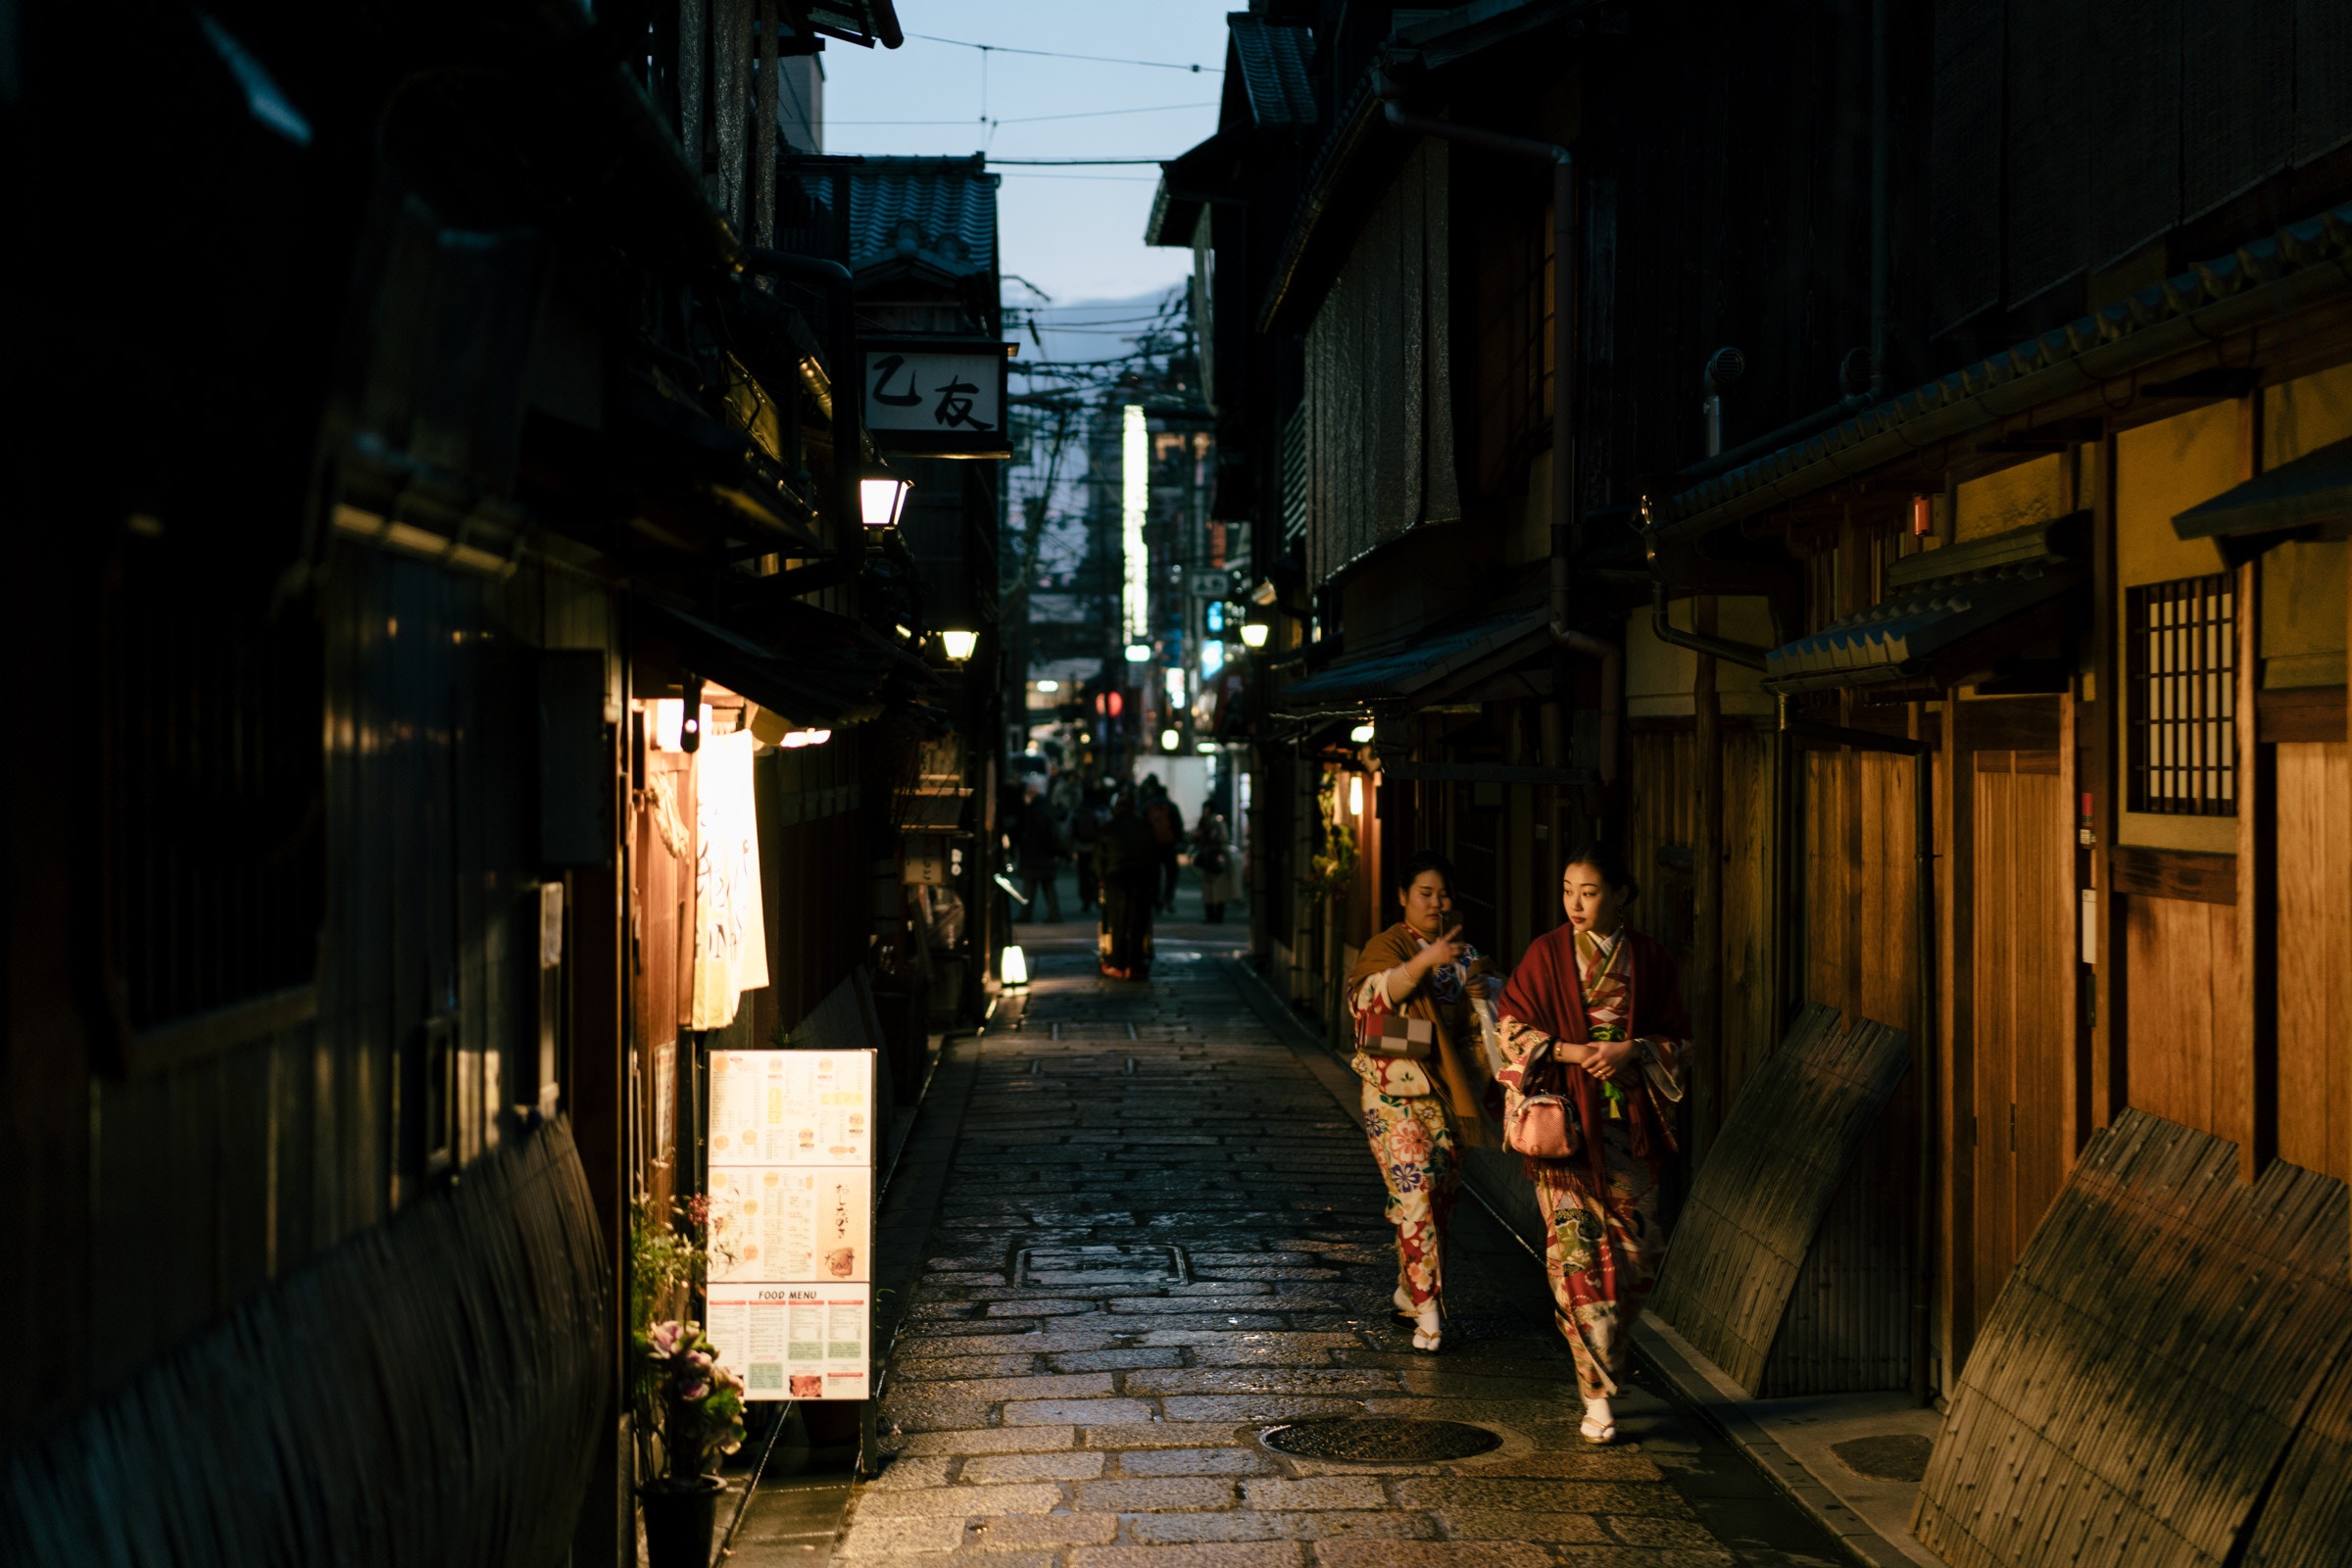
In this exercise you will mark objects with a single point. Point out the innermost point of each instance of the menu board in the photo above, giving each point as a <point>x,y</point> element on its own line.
<point>791,1235</point>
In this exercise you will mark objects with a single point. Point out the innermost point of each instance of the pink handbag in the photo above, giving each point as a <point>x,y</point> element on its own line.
<point>1546,1125</point>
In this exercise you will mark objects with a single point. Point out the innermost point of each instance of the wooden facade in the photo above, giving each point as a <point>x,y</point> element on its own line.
<point>2116,716</point>
<point>349,957</point>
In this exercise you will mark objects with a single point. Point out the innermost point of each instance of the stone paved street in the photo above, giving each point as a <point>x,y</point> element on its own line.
<point>1160,1232</point>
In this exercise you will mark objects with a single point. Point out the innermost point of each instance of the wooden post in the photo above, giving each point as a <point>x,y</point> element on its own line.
<point>2110,1058</point>
<point>1706,849</point>
<point>2257,899</point>
<point>2074,1073</point>
<point>596,1088</point>
<point>1957,1091</point>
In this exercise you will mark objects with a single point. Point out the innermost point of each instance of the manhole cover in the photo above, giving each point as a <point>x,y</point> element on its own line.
<point>1890,1456</point>
<point>1100,1265</point>
<point>1381,1439</point>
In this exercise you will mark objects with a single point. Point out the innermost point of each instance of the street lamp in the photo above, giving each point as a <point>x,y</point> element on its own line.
<point>959,643</point>
<point>1253,634</point>
<point>881,496</point>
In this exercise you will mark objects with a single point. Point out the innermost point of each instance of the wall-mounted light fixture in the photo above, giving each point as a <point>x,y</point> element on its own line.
<point>1012,968</point>
<point>1048,687</point>
<point>690,716</point>
<point>1361,733</point>
<point>1355,795</point>
<point>959,642</point>
<point>881,496</point>
<point>1254,632</point>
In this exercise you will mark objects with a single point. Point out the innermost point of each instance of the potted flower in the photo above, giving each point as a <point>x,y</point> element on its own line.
<point>688,1409</point>
<point>689,1412</point>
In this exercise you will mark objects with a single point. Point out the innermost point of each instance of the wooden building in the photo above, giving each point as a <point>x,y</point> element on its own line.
<point>460,413</point>
<point>1881,466</point>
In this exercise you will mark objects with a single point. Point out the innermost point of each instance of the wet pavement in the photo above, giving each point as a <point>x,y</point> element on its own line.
<point>1158,1234</point>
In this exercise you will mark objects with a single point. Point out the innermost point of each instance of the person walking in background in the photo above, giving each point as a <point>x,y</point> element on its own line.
<point>1416,995</point>
<point>1127,864</point>
<point>1086,828</point>
<point>1592,1015</point>
<point>1219,867</point>
<point>1038,853</point>
<point>1167,836</point>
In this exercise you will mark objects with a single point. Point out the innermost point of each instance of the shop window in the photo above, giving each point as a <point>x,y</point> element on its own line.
<point>2180,647</point>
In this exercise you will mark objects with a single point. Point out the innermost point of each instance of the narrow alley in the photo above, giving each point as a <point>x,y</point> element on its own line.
<point>1161,1239</point>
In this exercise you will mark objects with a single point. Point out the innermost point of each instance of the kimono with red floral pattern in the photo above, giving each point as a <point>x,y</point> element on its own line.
<point>1602,1240</point>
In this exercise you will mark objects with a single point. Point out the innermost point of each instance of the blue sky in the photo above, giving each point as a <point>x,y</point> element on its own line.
<point>1075,233</point>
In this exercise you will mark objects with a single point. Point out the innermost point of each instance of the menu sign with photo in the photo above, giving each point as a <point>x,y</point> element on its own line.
<point>791,1235</point>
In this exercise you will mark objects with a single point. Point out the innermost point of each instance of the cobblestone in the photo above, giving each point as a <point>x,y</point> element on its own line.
<point>1097,1402</point>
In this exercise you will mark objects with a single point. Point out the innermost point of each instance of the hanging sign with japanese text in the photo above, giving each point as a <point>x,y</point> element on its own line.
<point>937,398</point>
<point>791,1234</point>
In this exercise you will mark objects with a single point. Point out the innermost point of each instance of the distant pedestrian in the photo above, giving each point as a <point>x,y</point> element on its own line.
<point>1038,847</point>
<point>1599,1001</point>
<point>1219,867</point>
<point>1127,860</point>
<point>1417,994</point>
<point>1167,836</point>
<point>1086,829</point>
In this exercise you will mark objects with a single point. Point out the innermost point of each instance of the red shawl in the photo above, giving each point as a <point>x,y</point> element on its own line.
<point>1546,994</point>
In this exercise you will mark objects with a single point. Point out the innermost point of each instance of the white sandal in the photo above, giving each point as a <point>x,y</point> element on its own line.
<point>1428,1328</point>
<point>1599,1426</point>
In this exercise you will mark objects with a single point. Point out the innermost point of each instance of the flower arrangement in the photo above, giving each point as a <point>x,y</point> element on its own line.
<point>689,1407</point>
<point>1329,873</point>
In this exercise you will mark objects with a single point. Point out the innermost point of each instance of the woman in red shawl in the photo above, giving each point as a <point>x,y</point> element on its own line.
<point>1600,996</point>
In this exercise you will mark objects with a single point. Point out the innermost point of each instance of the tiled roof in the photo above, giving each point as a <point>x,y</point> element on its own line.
<point>940,209</point>
<point>1273,62</point>
<point>2263,278</point>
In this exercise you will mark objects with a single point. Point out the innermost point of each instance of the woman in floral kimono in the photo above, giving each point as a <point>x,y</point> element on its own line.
<point>1600,998</point>
<point>1417,993</point>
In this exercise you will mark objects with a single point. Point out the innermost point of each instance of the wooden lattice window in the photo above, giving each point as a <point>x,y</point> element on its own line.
<point>2180,647</point>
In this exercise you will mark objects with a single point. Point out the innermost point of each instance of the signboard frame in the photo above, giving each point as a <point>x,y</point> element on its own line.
<point>814,1142</point>
<point>932,442</point>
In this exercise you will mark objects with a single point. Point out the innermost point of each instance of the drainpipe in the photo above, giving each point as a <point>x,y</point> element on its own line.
<point>1565,523</point>
<point>1881,122</point>
<point>849,439</point>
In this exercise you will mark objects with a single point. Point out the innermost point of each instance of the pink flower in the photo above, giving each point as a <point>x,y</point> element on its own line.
<point>694,1392</point>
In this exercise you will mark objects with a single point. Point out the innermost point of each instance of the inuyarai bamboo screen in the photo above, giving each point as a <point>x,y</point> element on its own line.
<point>2181,645</point>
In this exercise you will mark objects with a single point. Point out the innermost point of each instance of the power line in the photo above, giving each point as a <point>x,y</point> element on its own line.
<point>1055,53</point>
<point>1072,163</point>
<point>1029,120</point>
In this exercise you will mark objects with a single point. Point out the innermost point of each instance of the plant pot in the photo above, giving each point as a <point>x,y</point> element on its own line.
<point>680,1517</point>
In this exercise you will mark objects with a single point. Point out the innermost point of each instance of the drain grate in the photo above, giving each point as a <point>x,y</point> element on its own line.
<point>1381,1439</point>
<point>1890,1456</point>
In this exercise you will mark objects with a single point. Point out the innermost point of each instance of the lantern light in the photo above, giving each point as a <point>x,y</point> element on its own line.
<point>1254,633</point>
<point>1355,795</point>
<point>1205,748</point>
<point>960,641</point>
<point>1049,686</point>
<point>1139,652</point>
<point>1012,967</point>
<point>1361,733</point>
<point>1169,740</point>
<point>881,496</point>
